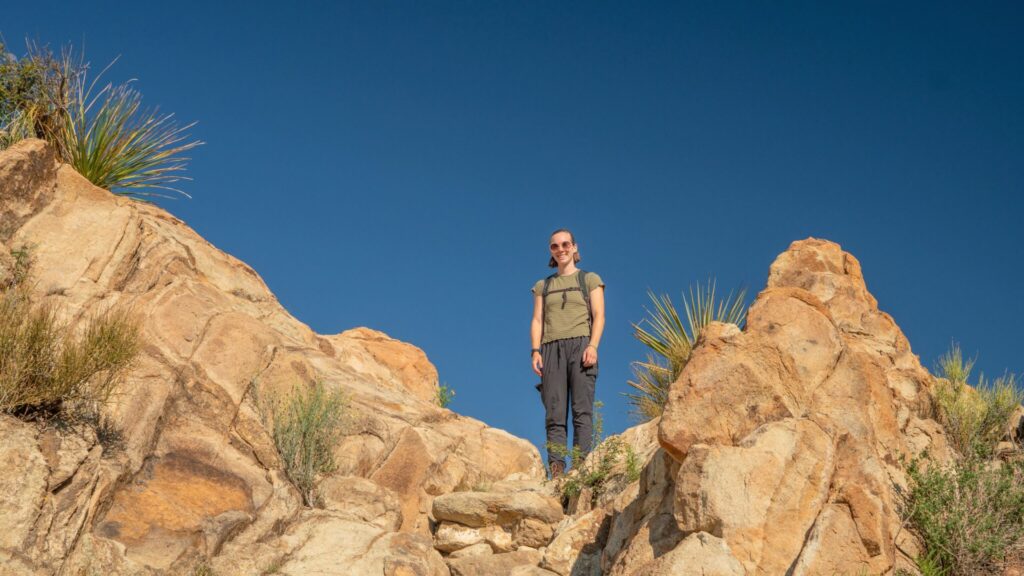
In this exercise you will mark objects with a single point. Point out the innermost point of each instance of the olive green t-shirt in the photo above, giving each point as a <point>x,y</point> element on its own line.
<point>565,313</point>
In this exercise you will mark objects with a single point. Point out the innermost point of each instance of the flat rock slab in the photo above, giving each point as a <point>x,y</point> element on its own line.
<point>478,509</point>
<point>495,564</point>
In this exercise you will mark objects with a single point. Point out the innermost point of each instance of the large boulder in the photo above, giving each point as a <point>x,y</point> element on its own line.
<point>790,434</point>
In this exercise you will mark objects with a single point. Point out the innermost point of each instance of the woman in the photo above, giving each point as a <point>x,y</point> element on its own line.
<point>568,319</point>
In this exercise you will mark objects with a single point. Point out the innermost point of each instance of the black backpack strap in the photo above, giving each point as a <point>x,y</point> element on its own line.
<point>586,297</point>
<point>544,304</point>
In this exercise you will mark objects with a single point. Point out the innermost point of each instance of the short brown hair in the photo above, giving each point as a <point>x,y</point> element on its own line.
<point>575,257</point>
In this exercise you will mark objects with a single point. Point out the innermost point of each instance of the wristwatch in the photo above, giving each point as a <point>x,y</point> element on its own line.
<point>532,350</point>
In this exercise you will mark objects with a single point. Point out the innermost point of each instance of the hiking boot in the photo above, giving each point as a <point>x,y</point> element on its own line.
<point>557,469</point>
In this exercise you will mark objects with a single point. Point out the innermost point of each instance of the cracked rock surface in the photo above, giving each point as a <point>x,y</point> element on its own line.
<point>198,478</point>
<point>780,450</point>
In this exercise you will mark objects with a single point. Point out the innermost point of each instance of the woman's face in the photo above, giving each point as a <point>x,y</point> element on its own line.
<point>562,248</point>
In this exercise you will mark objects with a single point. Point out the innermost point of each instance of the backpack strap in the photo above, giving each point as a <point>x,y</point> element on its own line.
<point>586,298</point>
<point>544,304</point>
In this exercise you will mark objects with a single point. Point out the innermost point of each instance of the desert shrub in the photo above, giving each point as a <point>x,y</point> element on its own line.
<point>671,342</point>
<point>445,395</point>
<point>102,130</point>
<point>46,367</point>
<point>970,515</point>
<point>306,426</point>
<point>975,417</point>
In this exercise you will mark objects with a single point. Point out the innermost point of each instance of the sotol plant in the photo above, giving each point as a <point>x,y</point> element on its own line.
<point>102,130</point>
<point>671,341</point>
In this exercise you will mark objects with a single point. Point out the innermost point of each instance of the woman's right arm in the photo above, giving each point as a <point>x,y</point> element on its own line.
<point>536,326</point>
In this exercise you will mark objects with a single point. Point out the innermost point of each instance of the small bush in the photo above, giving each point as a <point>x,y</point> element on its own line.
<point>305,429</point>
<point>46,368</point>
<point>671,342</point>
<point>970,515</point>
<point>975,418</point>
<point>445,394</point>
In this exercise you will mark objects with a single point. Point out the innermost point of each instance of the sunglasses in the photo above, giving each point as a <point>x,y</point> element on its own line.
<point>564,246</point>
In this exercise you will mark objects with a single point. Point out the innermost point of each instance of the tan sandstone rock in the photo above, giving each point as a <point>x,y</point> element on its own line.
<point>576,548</point>
<point>363,499</point>
<point>199,475</point>
<point>798,424</point>
<point>477,509</point>
<point>495,564</point>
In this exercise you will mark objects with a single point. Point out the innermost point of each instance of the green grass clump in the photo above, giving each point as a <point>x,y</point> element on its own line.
<point>46,367</point>
<point>102,130</point>
<point>306,427</point>
<point>671,342</point>
<point>445,394</point>
<point>969,515</point>
<point>975,417</point>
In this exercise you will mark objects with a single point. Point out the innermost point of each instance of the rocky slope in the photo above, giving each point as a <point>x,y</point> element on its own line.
<point>199,476</point>
<point>781,449</point>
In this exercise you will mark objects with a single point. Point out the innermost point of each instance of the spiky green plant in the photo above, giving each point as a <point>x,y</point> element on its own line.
<point>114,142</point>
<point>975,418</point>
<point>672,341</point>
<point>103,131</point>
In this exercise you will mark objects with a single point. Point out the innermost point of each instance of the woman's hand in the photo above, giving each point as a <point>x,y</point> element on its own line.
<point>589,356</point>
<point>538,363</point>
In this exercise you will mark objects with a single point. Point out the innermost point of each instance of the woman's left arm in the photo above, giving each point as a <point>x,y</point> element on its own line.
<point>596,327</point>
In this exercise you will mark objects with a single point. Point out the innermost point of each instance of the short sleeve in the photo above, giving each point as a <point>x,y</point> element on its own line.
<point>593,281</point>
<point>538,288</point>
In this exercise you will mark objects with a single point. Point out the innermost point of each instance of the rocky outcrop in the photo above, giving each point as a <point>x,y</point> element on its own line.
<point>791,434</point>
<point>780,451</point>
<point>198,477</point>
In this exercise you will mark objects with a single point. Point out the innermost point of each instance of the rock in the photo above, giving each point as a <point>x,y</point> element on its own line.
<point>800,422</point>
<point>700,554</point>
<point>530,571</point>
<point>477,509</point>
<point>494,564</point>
<point>362,499</point>
<point>408,364</point>
<point>576,549</point>
<point>23,482</point>
<point>451,537</point>
<point>27,172</point>
<point>479,549</point>
<point>762,496</point>
<point>327,543</point>
<point>531,532</point>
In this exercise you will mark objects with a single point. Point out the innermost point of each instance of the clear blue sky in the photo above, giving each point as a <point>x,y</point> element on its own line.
<point>400,165</point>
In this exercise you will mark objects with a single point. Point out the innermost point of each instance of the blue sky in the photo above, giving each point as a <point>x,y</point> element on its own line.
<point>400,165</point>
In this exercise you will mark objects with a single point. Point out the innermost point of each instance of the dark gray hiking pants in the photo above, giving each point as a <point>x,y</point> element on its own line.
<point>566,382</point>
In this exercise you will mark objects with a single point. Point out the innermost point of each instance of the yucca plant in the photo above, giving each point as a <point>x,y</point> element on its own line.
<point>672,341</point>
<point>103,131</point>
<point>118,145</point>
